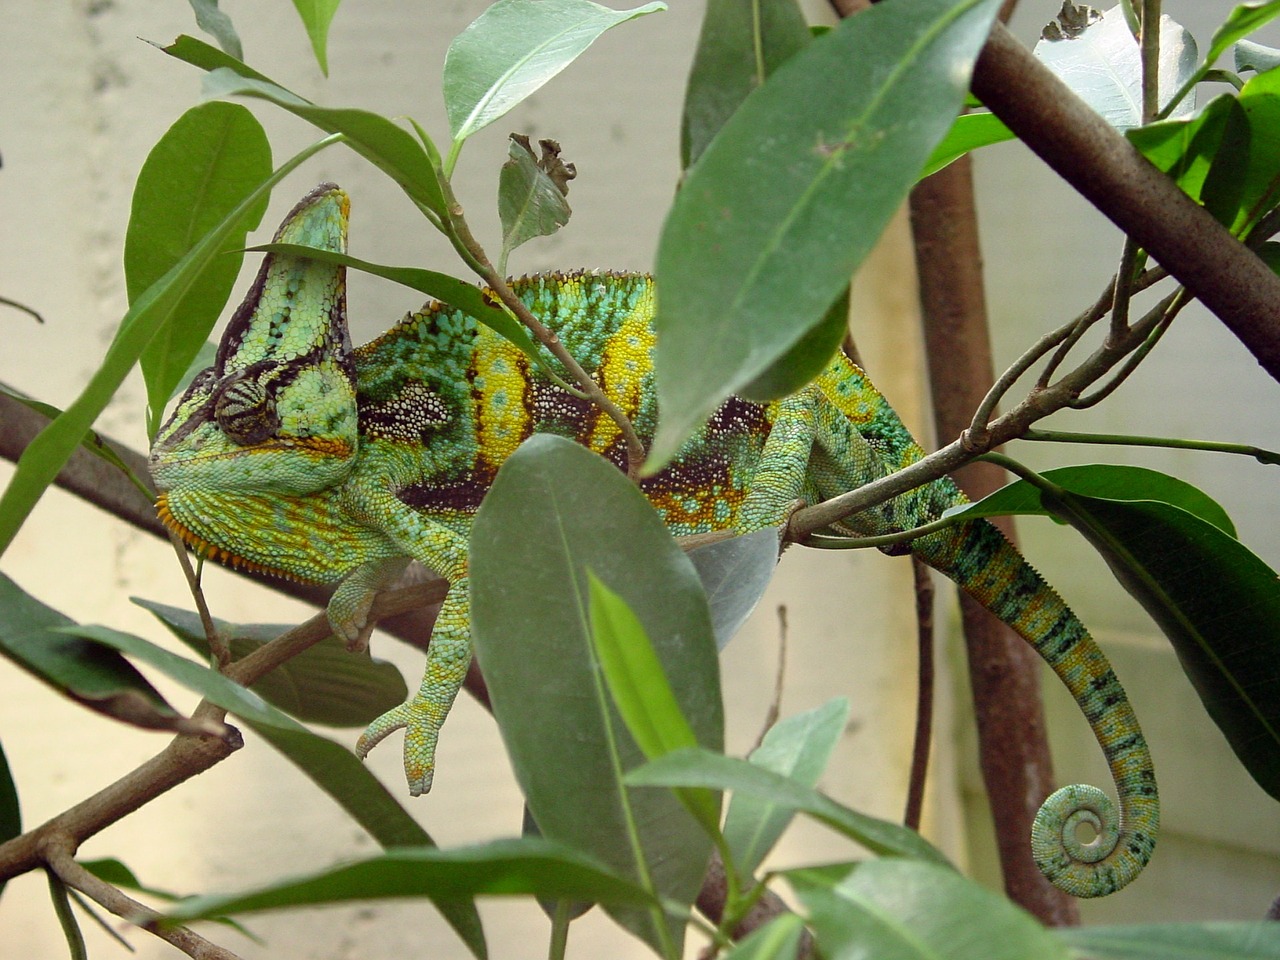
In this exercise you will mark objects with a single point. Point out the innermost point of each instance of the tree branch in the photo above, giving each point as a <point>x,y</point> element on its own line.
<point>59,854</point>
<point>1106,170</point>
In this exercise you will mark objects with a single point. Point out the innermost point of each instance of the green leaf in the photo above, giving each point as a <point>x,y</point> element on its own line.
<point>900,910</point>
<point>204,165</point>
<point>390,148</point>
<point>1261,190</point>
<point>1103,66</point>
<point>385,145</point>
<point>792,194</point>
<point>1214,142</point>
<point>532,636</point>
<point>1175,941</point>
<point>89,673</point>
<point>467,297</point>
<point>217,24</point>
<point>640,690</point>
<point>1255,56</point>
<point>515,47</point>
<point>202,55</point>
<point>48,452</point>
<point>797,748</point>
<point>1242,21</point>
<point>1215,600</point>
<point>323,684</point>
<point>779,939</point>
<point>316,16</point>
<point>805,359</point>
<point>702,768</point>
<point>203,359</point>
<point>531,194</point>
<point>968,133</point>
<point>498,868</point>
<point>1109,481</point>
<point>734,575</point>
<point>332,767</point>
<point>739,46</point>
<point>10,812</point>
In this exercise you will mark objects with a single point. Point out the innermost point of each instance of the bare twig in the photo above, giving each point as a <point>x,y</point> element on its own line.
<point>59,854</point>
<point>924,696</point>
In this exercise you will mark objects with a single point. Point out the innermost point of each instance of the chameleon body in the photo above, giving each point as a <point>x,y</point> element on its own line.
<point>297,455</point>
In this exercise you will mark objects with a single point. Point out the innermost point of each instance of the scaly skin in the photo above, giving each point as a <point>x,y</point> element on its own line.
<point>297,455</point>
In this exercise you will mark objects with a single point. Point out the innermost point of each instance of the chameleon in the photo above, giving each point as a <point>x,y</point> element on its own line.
<point>297,455</point>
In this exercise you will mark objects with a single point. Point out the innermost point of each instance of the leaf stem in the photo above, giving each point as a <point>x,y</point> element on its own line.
<point>66,919</point>
<point>1213,446</point>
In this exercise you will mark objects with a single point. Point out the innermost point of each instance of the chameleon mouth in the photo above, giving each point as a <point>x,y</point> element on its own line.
<point>211,551</point>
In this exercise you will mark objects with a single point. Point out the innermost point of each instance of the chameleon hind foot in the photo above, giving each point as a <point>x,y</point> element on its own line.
<point>420,721</point>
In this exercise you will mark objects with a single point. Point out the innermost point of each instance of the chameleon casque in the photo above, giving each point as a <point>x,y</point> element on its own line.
<point>297,455</point>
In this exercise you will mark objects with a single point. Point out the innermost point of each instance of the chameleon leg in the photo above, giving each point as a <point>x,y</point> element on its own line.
<point>350,603</point>
<point>443,550</point>
<point>422,714</point>
<point>779,479</point>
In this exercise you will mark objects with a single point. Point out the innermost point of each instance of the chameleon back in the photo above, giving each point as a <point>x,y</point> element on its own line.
<point>444,400</point>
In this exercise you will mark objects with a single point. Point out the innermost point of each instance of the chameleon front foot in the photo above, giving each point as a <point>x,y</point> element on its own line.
<point>421,731</point>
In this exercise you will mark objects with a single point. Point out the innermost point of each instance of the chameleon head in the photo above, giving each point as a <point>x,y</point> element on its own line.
<point>276,413</point>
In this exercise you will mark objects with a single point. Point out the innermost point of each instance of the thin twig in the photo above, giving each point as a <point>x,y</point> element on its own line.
<point>59,854</point>
<point>1123,287</point>
<point>218,649</point>
<point>1163,314</point>
<point>1150,42</point>
<point>924,696</point>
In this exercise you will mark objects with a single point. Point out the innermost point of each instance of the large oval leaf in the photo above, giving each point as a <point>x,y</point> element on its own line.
<point>901,910</point>
<point>556,510</point>
<point>198,171</point>
<point>740,44</point>
<point>91,674</point>
<point>501,867</point>
<point>513,48</point>
<point>794,191</point>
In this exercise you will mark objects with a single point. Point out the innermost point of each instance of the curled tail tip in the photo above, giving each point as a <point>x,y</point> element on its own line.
<point>1110,861</point>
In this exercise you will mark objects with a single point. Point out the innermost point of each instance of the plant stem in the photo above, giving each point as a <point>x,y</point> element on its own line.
<point>1175,443</point>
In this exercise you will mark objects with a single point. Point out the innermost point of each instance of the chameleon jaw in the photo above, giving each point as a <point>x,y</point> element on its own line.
<point>211,551</point>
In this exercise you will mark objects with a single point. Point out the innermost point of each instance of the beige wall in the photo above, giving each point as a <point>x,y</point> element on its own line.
<point>84,100</point>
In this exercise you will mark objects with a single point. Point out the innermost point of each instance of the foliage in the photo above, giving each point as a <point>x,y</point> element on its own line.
<point>789,182</point>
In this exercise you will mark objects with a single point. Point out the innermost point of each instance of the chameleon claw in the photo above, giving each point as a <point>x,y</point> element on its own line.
<point>421,733</point>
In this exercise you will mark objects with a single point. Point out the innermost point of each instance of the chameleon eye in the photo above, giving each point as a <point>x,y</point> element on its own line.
<point>245,413</point>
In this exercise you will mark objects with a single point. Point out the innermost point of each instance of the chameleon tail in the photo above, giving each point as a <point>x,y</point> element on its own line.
<point>985,565</point>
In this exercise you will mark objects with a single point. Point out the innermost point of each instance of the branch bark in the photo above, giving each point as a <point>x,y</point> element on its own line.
<point>1089,154</point>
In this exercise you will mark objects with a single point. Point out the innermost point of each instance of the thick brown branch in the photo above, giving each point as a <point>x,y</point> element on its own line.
<point>1089,154</point>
